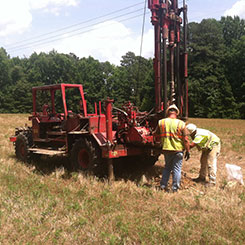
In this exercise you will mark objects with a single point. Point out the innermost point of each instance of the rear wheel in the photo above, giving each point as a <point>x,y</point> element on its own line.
<point>84,155</point>
<point>22,147</point>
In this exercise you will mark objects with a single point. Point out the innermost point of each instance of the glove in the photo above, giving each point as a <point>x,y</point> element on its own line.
<point>187,155</point>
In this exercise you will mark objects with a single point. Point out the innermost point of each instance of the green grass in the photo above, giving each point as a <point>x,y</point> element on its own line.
<point>238,142</point>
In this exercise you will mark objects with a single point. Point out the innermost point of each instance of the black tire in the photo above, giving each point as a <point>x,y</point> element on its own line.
<point>84,155</point>
<point>22,145</point>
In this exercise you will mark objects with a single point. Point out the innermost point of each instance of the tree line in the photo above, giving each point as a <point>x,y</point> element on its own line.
<point>216,74</point>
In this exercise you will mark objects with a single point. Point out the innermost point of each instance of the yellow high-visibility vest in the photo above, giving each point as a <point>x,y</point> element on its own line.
<point>171,132</point>
<point>205,139</point>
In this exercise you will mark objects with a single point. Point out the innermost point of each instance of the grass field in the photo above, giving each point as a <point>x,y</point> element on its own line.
<point>43,204</point>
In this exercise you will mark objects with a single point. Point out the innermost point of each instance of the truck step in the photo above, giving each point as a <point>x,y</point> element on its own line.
<point>56,133</point>
<point>49,152</point>
<point>41,140</point>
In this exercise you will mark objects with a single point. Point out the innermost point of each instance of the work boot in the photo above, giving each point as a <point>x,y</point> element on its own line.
<point>199,179</point>
<point>163,188</point>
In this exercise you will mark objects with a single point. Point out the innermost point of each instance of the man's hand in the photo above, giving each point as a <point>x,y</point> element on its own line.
<point>187,155</point>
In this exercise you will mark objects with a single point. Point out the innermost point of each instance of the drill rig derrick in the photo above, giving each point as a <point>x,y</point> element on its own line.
<point>170,62</point>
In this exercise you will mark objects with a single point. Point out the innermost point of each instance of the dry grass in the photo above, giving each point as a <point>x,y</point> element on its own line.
<point>45,205</point>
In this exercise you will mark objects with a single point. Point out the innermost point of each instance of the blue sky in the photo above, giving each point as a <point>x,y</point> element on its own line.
<point>28,26</point>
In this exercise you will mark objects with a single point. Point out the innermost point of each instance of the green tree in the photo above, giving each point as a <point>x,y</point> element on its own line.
<point>210,92</point>
<point>18,98</point>
<point>137,77</point>
<point>93,75</point>
<point>5,79</point>
<point>233,29</point>
<point>4,68</point>
<point>52,68</point>
<point>235,72</point>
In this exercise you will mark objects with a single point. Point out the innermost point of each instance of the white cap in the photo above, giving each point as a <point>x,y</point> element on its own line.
<point>191,127</point>
<point>173,107</point>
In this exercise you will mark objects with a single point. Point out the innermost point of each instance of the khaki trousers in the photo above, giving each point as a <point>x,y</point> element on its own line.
<point>209,163</point>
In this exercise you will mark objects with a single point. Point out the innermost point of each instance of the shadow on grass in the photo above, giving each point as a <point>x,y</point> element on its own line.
<point>127,169</point>
<point>45,165</point>
<point>124,168</point>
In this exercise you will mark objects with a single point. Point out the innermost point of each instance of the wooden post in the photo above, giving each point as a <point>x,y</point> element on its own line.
<point>111,176</point>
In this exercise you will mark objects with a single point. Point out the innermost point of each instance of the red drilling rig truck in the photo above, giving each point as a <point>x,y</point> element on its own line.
<point>110,132</point>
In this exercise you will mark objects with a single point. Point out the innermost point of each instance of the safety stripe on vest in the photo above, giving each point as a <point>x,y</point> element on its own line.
<point>178,129</point>
<point>169,134</point>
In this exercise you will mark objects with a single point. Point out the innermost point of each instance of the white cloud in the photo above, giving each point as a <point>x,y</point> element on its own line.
<point>52,6</point>
<point>107,42</point>
<point>16,15</point>
<point>14,19</point>
<point>237,9</point>
<point>41,4</point>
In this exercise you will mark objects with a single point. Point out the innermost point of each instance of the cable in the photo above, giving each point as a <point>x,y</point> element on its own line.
<point>71,26</point>
<point>143,29</point>
<point>141,44</point>
<point>80,33</point>
<point>60,35</point>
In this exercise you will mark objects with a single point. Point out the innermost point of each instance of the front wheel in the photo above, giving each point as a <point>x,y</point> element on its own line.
<point>22,148</point>
<point>84,155</point>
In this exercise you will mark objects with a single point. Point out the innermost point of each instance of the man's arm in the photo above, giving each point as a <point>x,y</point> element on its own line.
<point>186,140</point>
<point>192,145</point>
<point>186,144</point>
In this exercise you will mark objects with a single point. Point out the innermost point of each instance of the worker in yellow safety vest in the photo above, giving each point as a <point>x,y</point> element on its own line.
<point>209,144</point>
<point>174,140</point>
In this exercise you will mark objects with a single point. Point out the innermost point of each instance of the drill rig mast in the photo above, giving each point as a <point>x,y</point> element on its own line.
<point>170,62</point>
